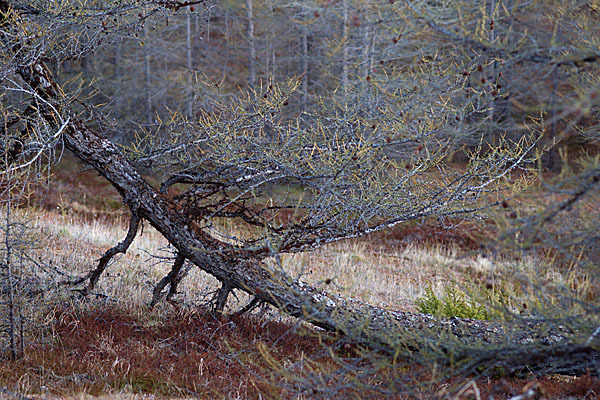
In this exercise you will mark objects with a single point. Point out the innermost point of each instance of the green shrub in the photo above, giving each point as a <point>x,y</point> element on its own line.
<point>454,303</point>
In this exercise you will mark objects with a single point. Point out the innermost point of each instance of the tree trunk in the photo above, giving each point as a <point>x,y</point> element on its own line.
<point>271,37</point>
<point>227,38</point>
<point>118,81</point>
<point>188,63</point>
<point>10,286</point>
<point>251,45</point>
<point>147,76</point>
<point>492,73</point>
<point>345,44</point>
<point>304,67</point>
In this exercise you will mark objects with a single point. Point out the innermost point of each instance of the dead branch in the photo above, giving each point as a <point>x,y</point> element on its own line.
<point>122,247</point>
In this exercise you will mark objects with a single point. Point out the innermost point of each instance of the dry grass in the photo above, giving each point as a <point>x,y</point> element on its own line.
<point>379,274</point>
<point>387,276</point>
<point>115,347</point>
<point>384,277</point>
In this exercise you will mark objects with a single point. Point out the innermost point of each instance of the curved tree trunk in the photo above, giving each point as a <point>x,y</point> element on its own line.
<point>271,286</point>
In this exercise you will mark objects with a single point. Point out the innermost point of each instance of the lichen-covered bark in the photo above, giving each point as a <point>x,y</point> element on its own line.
<point>251,275</point>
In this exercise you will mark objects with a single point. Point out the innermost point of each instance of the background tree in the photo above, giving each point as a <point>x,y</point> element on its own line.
<point>27,152</point>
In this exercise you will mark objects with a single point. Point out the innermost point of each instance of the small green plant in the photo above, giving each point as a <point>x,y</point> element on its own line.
<point>429,303</point>
<point>454,303</point>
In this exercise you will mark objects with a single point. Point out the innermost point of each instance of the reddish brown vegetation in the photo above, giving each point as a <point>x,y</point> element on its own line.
<point>549,387</point>
<point>189,353</point>
<point>185,353</point>
<point>79,190</point>
<point>465,236</point>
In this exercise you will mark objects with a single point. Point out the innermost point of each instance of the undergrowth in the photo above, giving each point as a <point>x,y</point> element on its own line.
<point>186,353</point>
<point>453,303</point>
<point>119,347</point>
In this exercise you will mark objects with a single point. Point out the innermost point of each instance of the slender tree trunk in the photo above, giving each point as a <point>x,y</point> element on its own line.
<point>190,72</point>
<point>85,65</point>
<point>272,36</point>
<point>147,76</point>
<point>226,62</point>
<point>266,58</point>
<point>492,104</point>
<point>366,55</point>
<point>118,80</point>
<point>12,323</point>
<point>251,45</point>
<point>366,59</point>
<point>345,44</point>
<point>304,67</point>
<point>270,53</point>
<point>502,105</point>
<point>207,37</point>
<point>289,58</point>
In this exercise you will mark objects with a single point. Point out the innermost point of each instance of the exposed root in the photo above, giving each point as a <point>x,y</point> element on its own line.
<point>222,298</point>
<point>172,278</point>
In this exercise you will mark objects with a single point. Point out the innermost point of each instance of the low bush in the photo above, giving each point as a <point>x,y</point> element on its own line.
<point>453,303</point>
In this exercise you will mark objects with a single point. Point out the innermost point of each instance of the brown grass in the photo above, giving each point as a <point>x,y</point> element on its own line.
<point>114,346</point>
<point>75,189</point>
<point>183,354</point>
<point>553,387</point>
<point>110,353</point>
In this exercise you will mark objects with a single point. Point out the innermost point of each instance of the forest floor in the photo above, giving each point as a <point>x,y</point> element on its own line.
<point>114,346</point>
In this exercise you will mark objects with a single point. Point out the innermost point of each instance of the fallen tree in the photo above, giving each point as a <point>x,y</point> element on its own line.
<point>235,267</point>
<point>351,176</point>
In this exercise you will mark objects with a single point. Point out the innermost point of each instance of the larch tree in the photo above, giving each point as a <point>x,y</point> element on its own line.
<point>345,170</point>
